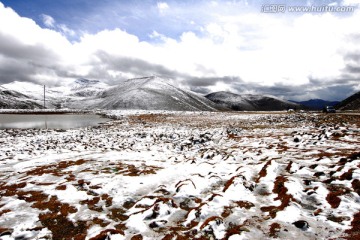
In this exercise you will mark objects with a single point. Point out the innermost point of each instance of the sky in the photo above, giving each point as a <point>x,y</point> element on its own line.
<point>242,46</point>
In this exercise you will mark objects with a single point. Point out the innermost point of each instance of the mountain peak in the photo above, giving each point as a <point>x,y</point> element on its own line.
<point>147,79</point>
<point>153,93</point>
<point>151,82</point>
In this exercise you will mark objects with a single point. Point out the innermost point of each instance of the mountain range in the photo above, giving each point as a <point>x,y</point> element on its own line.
<point>148,93</point>
<point>250,102</point>
<point>316,104</point>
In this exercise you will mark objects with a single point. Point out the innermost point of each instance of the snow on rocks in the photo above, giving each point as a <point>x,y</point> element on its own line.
<point>183,175</point>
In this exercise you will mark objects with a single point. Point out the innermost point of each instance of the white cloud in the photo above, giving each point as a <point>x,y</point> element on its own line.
<point>48,21</point>
<point>162,6</point>
<point>66,30</point>
<point>155,34</point>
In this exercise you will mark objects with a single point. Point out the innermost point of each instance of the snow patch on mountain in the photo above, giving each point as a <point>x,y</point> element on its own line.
<point>75,94</point>
<point>153,93</point>
<point>148,93</point>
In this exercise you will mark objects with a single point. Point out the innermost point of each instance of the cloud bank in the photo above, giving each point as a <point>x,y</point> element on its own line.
<point>293,57</point>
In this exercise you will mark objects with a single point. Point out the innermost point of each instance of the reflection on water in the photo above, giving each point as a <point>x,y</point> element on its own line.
<point>53,121</point>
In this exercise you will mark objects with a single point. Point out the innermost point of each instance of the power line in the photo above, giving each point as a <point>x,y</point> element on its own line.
<point>44,96</point>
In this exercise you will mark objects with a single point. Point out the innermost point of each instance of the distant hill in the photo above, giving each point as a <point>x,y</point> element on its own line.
<point>152,93</point>
<point>316,104</point>
<point>10,99</point>
<point>250,102</point>
<point>350,103</point>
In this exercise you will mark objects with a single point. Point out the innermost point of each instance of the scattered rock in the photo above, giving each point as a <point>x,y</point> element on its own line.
<point>262,189</point>
<point>307,182</point>
<point>137,237</point>
<point>303,225</point>
<point>129,204</point>
<point>157,224</point>
<point>338,219</point>
<point>319,174</point>
<point>5,232</point>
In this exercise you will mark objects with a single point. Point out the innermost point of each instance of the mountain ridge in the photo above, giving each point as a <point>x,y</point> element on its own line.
<point>16,100</point>
<point>153,93</point>
<point>250,102</point>
<point>147,93</point>
<point>350,103</point>
<point>316,104</point>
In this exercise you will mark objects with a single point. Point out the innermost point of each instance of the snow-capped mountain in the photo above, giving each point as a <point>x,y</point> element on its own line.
<point>87,88</point>
<point>16,100</point>
<point>35,92</point>
<point>70,95</point>
<point>149,93</point>
<point>153,93</point>
<point>250,102</point>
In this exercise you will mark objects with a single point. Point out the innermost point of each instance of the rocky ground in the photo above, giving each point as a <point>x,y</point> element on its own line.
<point>184,176</point>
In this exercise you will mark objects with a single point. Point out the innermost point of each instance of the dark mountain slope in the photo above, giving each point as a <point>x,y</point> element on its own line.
<point>10,99</point>
<point>350,103</point>
<point>249,102</point>
<point>316,104</point>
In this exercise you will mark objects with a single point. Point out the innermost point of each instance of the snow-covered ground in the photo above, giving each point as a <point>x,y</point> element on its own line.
<point>175,175</point>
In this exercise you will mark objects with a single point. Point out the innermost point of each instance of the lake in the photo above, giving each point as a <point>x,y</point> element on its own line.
<point>50,121</point>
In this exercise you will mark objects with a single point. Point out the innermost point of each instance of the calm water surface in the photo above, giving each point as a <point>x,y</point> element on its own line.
<point>52,121</point>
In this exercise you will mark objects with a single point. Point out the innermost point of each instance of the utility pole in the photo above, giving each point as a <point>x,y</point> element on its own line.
<point>44,96</point>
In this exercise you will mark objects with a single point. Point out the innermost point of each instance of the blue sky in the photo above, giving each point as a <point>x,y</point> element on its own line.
<point>204,46</point>
<point>137,17</point>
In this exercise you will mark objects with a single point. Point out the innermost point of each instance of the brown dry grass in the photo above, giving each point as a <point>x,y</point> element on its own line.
<point>274,230</point>
<point>354,232</point>
<point>263,171</point>
<point>210,219</point>
<point>334,192</point>
<point>131,170</point>
<point>103,235</point>
<point>281,190</point>
<point>54,169</point>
